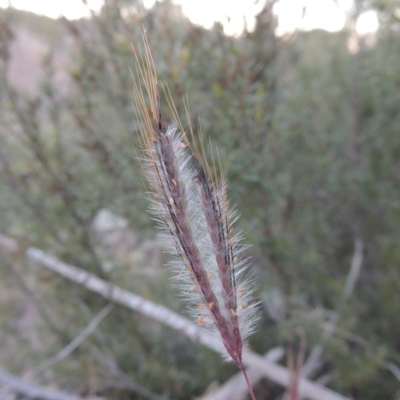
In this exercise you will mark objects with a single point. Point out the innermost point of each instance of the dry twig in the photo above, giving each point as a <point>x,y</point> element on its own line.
<point>33,391</point>
<point>276,373</point>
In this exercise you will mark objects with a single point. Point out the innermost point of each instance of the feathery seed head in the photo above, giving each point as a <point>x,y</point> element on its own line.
<point>192,209</point>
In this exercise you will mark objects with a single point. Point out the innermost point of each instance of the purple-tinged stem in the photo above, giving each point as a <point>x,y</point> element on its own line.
<point>243,369</point>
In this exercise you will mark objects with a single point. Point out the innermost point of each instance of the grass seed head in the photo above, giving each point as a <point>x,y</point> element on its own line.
<point>190,203</point>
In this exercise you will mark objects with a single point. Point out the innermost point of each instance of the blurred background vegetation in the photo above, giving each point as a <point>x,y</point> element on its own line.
<point>307,127</point>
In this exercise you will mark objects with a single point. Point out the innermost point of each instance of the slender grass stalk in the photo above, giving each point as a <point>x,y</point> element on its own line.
<point>190,204</point>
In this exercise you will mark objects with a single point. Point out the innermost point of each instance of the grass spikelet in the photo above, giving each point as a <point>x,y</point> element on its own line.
<point>190,204</point>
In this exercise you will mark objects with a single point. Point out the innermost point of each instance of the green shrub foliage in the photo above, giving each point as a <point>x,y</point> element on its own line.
<point>307,128</point>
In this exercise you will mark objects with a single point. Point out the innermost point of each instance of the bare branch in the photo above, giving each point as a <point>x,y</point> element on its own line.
<point>235,388</point>
<point>74,344</point>
<point>394,369</point>
<point>314,361</point>
<point>276,373</point>
<point>34,391</point>
<point>355,268</point>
